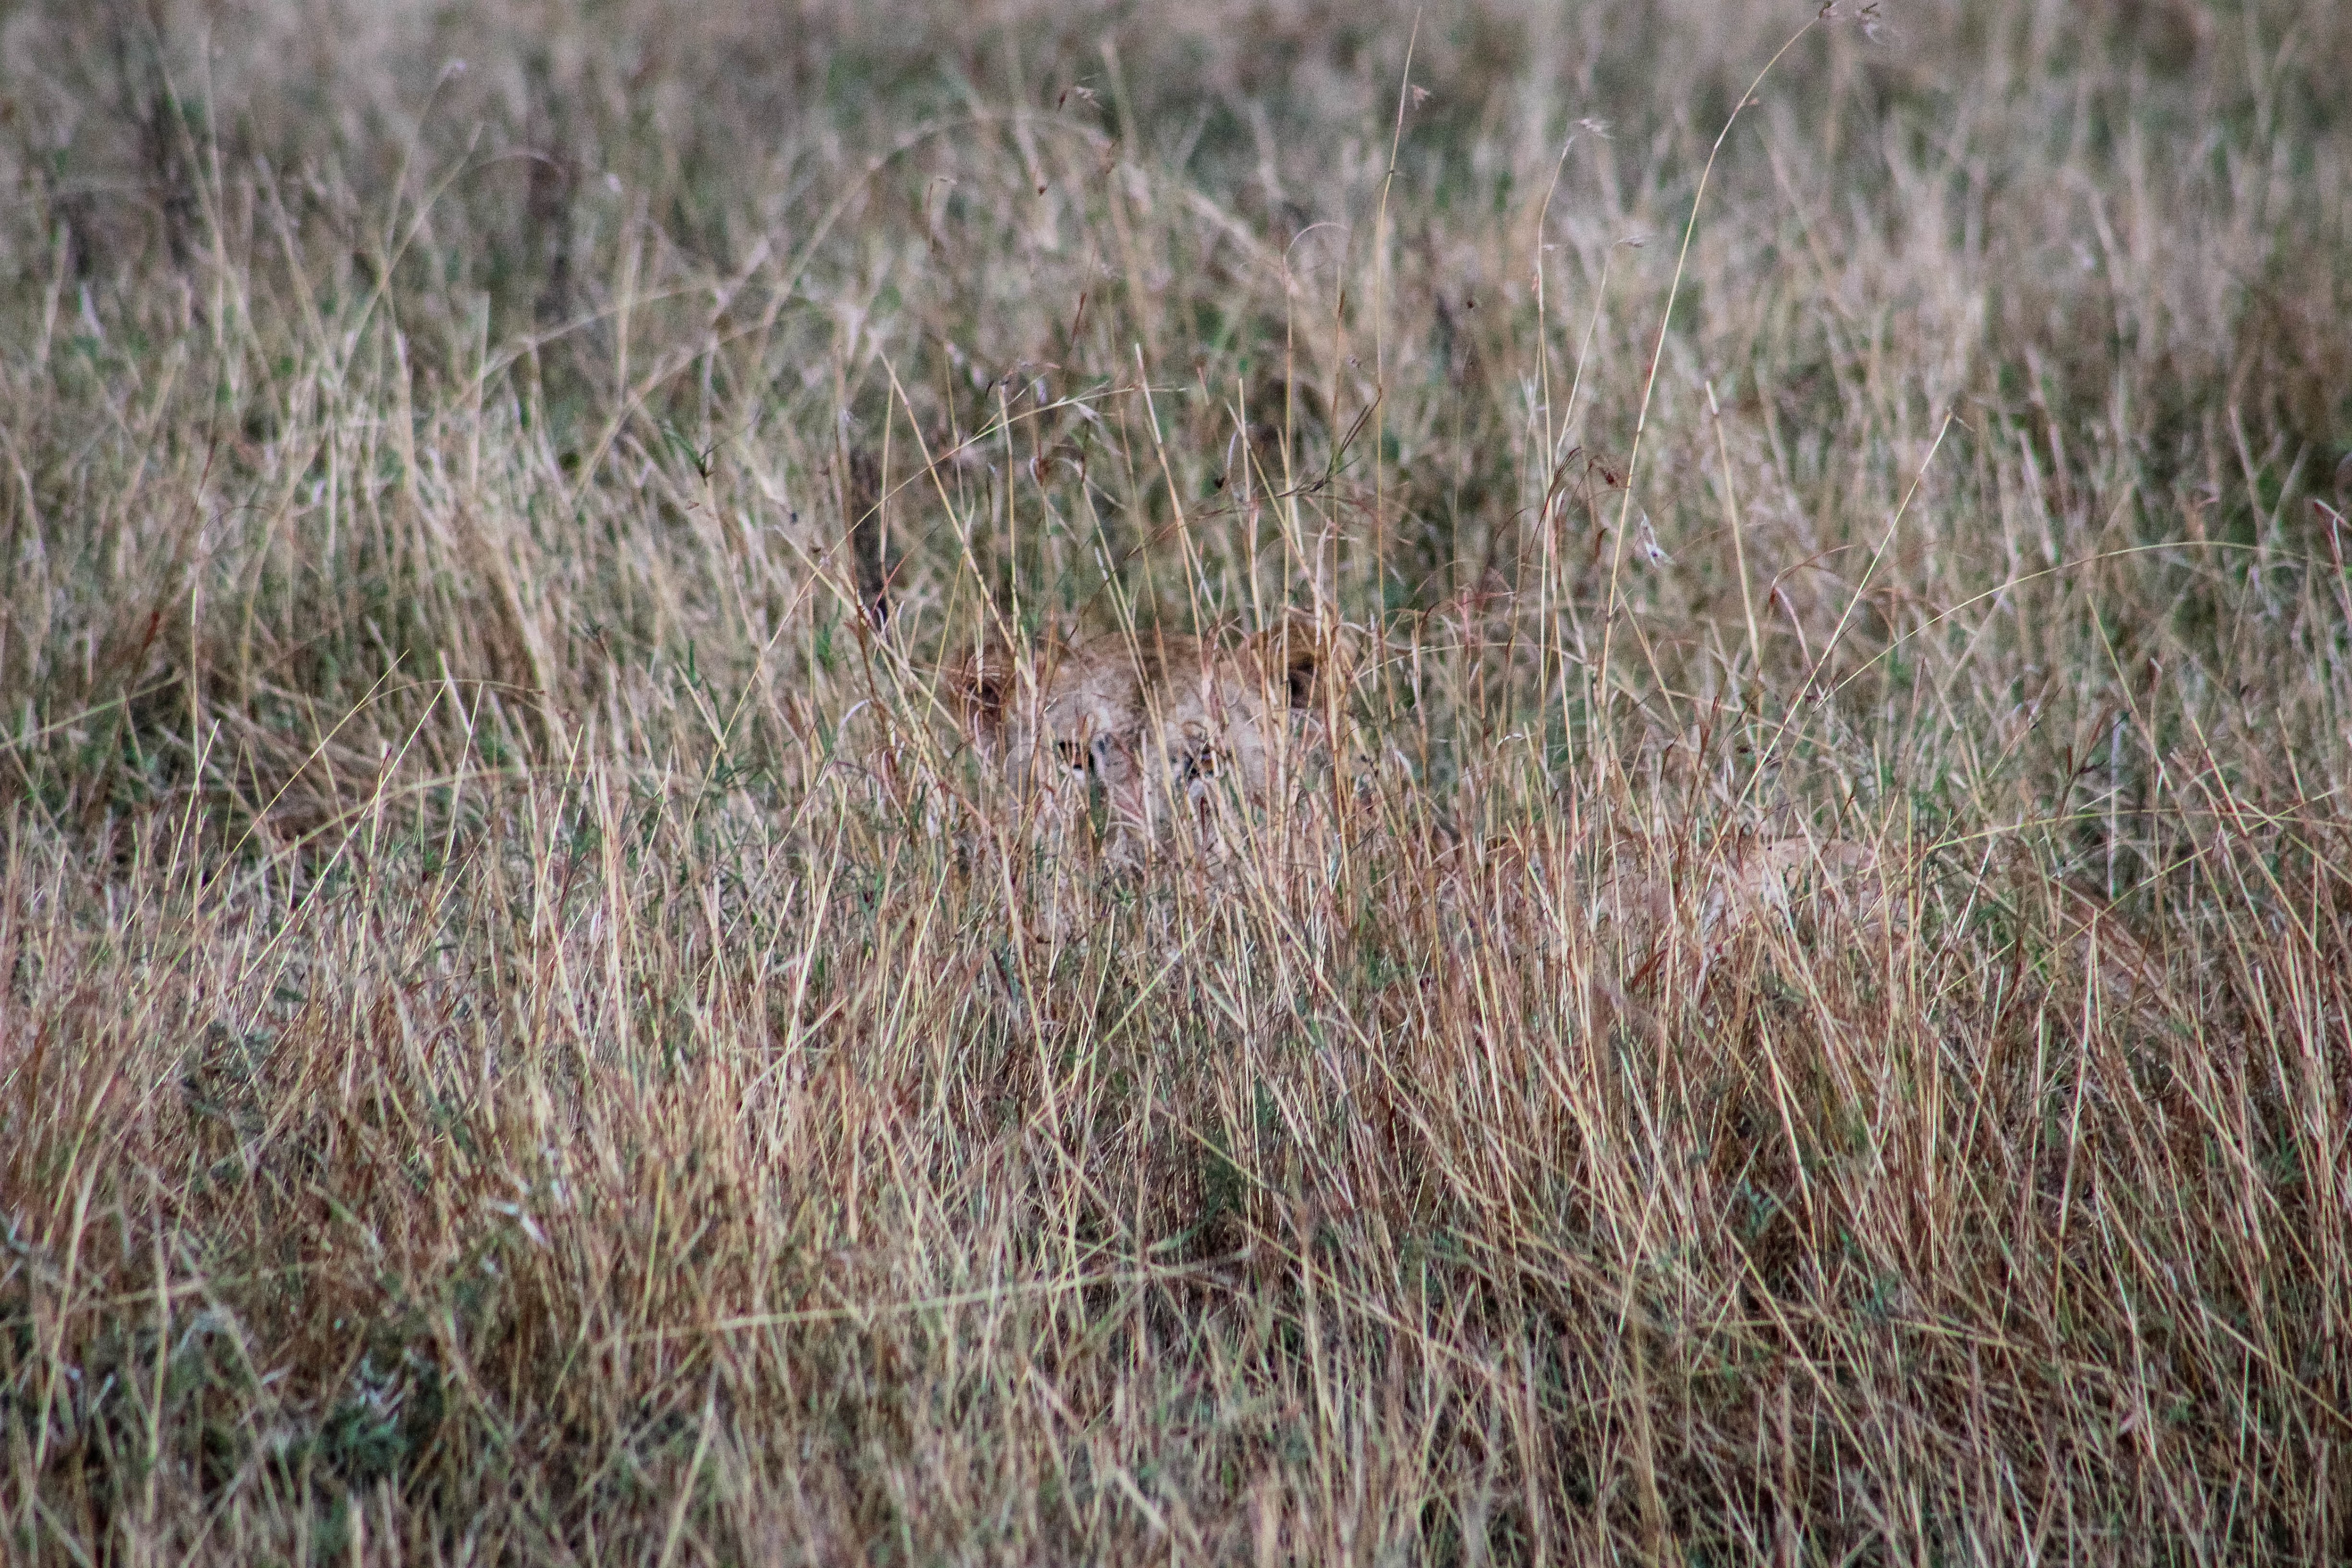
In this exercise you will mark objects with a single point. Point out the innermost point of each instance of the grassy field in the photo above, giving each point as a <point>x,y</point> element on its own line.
<point>1803,1012</point>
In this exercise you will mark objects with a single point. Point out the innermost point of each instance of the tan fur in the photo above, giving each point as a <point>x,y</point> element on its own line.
<point>1162,724</point>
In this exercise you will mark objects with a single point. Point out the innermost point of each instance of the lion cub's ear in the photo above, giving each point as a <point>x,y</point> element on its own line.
<point>1298,661</point>
<point>979,688</point>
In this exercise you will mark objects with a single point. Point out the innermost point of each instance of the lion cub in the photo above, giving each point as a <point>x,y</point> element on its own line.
<point>1162,724</point>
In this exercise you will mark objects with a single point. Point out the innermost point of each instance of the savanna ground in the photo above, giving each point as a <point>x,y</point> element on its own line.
<point>525,1035</point>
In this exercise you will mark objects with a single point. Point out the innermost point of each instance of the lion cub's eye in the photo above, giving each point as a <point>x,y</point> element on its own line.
<point>1073,755</point>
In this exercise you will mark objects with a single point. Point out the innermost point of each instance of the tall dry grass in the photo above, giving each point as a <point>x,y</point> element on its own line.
<point>1806,1017</point>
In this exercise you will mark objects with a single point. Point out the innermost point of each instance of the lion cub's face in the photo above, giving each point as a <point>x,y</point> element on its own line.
<point>1158,722</point>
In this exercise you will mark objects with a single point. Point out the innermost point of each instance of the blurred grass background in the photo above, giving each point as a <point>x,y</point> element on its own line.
<point>525,1036</point>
